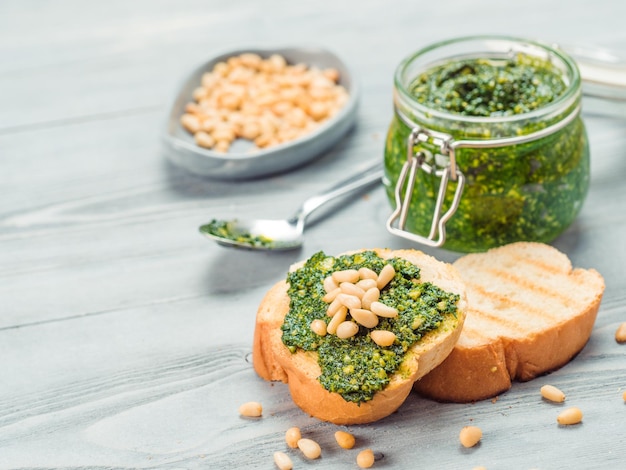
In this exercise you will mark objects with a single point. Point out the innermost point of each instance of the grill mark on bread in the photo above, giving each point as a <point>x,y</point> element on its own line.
<point>533,288</point>
<point>516,330</point>
<point>483,296</point>
<point>520,256</point>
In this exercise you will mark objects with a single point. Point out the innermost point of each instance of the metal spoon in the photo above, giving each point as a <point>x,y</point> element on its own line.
<point>264,234</point>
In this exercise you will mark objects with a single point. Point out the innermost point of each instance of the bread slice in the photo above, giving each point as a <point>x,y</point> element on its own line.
<point>273,360</point>
<point>529,313</point>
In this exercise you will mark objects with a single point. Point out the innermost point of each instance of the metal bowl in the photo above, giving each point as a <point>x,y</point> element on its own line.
<point>241,163</point>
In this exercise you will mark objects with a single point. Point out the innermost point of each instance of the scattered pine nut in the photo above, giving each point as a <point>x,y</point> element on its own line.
<point>310,448</point>
<point>470,436</point>
<point>318,327</point>
<point>550,392</point>
<point>365,459</point>
<point>620,333</point>
<point>282,461</point>
<point>251,409</point>
<point>292,436</point>
<point>347,329</point>
<point>345,439</point>
<point>383,338</point>
<point>570,416</point>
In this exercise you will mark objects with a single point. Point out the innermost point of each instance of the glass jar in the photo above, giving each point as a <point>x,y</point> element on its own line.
<point>469,183</point>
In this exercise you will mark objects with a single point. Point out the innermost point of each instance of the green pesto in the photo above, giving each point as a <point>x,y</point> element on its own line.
<point>489,87</point>
<point>224,229</point>
<point>529,191</point>
<point>356,367</point>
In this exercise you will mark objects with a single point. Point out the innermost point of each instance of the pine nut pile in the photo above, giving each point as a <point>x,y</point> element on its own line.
<point>265,101</point>
<point>356,293</point>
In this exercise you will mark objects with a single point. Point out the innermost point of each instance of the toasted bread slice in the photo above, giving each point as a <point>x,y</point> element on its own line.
<point>273,360</point>
<point>529,313</point>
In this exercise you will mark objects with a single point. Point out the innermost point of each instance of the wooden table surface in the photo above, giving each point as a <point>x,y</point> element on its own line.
<point>125,336</point>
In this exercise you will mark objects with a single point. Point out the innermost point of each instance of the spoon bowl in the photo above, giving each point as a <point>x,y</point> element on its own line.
<point>287,234</point>
<point>256,234</point>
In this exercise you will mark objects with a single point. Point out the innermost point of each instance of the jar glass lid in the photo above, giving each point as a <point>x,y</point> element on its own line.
<point>603,73</point>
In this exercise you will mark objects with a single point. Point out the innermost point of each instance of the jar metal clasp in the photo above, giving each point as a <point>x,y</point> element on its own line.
<point>442,165</point>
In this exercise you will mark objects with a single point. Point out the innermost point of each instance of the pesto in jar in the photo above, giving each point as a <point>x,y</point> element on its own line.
<point>357,367</point>
<point>523,192</point>
<point>489,87</point>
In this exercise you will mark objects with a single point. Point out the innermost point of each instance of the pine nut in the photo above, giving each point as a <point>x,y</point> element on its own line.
<point>347,329</point>
<point>292,436</point>
<point>347,275</point>
<point>366,284</point>
<point>383,310</point>
<point>334,307</point>
<point>385,276</point>
<point>310,448</point>
<point>365,458</point>
<point>282,461</point>
<point>371,295</point>
<point>364,317</point>
<point>550,392</point>
<point>350,301</point>
<point>251,409</point>
<point>222,146</point>
<point>332,295</point>
<point>383,338</point>
<point>330,284</point>
<point>345,439</point>
<point>190,122</point>
<point>367,273</point>
<point>337,319</point>
<point>620,333</point>
<point>319,327</point>
<point>470,436</point>
<point>569,416</point>
<point>204,140</point>
<point>351,289</point>
<point>624,396</point>
<point>247,84</point>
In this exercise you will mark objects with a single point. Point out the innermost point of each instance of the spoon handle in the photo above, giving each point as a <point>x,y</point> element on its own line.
<point>366,177</point>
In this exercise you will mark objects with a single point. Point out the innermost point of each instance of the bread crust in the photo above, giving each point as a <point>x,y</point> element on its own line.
<point>273,361</point>
<point>501,342</point>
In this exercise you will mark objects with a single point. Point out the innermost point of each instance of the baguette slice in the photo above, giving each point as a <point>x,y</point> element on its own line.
<point>529,313</point>
<point>273,361</point>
